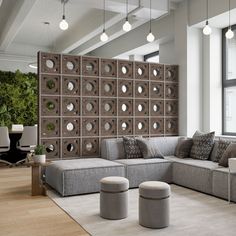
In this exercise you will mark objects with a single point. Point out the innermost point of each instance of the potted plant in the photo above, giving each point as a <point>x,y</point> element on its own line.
<point>39,154</point>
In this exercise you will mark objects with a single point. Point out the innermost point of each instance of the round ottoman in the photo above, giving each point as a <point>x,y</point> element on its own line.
<point>154,204</point>
<point>114,197</point>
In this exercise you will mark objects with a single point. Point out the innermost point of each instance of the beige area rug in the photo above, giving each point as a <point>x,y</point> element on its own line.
<point>192,214</point>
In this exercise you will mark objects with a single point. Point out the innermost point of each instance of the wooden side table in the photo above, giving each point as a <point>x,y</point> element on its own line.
<point>232,168</point>
<point>37,186</point>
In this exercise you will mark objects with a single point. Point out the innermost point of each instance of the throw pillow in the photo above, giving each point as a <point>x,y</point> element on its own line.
<point>229,153</point>
<point>202,145</point>
<point>183,148</point>
<point>149,149</point>
<point>222,146</point>
<point>131,148</point>
<point>214,151</point>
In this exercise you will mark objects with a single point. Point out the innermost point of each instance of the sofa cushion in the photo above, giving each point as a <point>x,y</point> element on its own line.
<point>192,173</point>
<point>183,148</point>
<point>149,148</point>
<point>214,151</point>
<point>229,153</point>
<point>222,146</point>
<point>140,170</point>
<point>71,177</point>
<point>131,148</point>
<point>202,145</point>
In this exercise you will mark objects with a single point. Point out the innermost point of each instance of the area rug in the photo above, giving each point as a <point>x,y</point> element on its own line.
<point>192,214</point>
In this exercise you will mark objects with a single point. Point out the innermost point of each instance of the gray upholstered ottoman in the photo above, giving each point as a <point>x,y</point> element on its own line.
<point>154,204</point>
<point>114,197</point>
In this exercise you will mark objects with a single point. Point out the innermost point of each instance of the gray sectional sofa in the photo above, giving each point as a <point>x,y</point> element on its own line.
<point>71,177</point>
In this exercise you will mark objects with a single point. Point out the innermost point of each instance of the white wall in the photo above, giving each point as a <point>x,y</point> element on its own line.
<point>167,52</point>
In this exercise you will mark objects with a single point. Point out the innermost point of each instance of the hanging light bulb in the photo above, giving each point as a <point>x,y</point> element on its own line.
<point>127,26</point>
<point>63,24</point>
<point>207,29</point>
<point>229,34</point>
<point>104,36</point>
<point>150,36</point>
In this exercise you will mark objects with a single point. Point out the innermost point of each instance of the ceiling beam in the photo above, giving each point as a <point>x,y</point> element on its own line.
<point>14,22</point>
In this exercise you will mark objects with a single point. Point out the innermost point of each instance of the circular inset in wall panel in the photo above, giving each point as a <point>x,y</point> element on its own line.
<point>157,108</point>
<point>141,107</point>
<point>157,90</point>
<point>90,127</point>
<point>108,107</point>
<point>89,106</point>
<point>125,88</point>
<point>71,106</point>
<point>141,89</point>
<point>50,84</point>
<point>52,147</point>
<point>171,91</point>
<point>157,126</point>
<point>171,126</point>
<point>171,73</point>
<point>141,126</point>
<point>157,72</point>
<point>108,68</point>
<point>108,87</point>
<point>71,147</point>
<point>141,70</point>
<point>125,126</point>
<point>70,127</point>
<point>50,127</point>
<point>50,63</point>
<point>108,127</point>
<point>90,66</point>
<point>90,147</point>
<point>171,108</point>
<point>125,69</point>
<point>70,64</point>
<point>50,106</point>
<point>90,86</point>
<point>70,85</point>
<point>125,107</point>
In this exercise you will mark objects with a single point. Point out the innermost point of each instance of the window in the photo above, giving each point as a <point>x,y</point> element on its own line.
<point>229,83</point>
<point>152,57</point>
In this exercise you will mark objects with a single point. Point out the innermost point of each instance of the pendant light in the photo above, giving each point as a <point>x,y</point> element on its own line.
<point>103,36</point>
<point>207,29</point>
<point>150,36</point>
<point>63,24</point>
<point>127,26</point>
<point>229,34</point>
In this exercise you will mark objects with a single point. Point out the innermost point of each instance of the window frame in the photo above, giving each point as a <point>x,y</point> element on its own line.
<point>150,55</point>
<point>226,83</point>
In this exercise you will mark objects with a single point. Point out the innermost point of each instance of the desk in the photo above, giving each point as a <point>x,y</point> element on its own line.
<point>14,154</point>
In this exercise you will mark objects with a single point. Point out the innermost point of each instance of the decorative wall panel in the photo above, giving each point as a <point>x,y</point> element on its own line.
<point>83,100</point>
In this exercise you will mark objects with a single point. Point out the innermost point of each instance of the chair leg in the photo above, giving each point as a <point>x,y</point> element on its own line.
<point>21,161</point>
<point>6,162</point>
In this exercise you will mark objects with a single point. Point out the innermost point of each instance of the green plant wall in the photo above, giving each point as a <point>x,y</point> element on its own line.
<point>18,98</point>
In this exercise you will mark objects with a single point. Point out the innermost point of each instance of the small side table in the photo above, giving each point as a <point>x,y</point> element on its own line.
<point>232,168</point>
<point>37,186</point>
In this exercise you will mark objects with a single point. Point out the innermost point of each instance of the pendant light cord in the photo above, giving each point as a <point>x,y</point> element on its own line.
<point>150,22</point>
<point>229,14</point>
<point>207,10</point>
<point>104,16</point>
<point>63,9</point>
<point>127,10</point>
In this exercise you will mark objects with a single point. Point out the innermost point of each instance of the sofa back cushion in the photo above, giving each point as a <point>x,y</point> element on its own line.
<point>113,149</point>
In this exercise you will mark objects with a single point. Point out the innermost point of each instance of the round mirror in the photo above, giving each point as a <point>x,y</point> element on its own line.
<point>50,84</point>
<point>50,148</point>
<point>124,70</point>
<point>124,107</point>
<point>124,88</point>
<point>50,106</point>
<point>69,126</point>
<point>107,107</point>
<point>50,127</point>
<point>89,106</point>
<point>49,63</point>
<point>89,126</point>
<point>140,71</point>
<point>124,126</point>
<point>140,125</point>
<point>156,125</point>
<point>89,87</point>
<point>140,89</point>
<point>89,146</point>
<point>107,126</point>
<point>90,67</point>
<point>70,147</point>
<point>70,86</point>
<point>107,68</point>
<point>156,108</point>
<point>70,106</point>
<point>140,107</point>
<point>107,88</point>
<point>70,65</point>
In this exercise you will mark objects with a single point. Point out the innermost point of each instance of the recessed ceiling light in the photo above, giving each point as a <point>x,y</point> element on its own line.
<point>33,65</point>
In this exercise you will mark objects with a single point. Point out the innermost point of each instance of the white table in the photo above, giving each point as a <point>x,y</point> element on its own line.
<point>232,168</point>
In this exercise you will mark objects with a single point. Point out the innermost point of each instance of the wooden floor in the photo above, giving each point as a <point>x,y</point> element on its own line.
<point>24,215</point>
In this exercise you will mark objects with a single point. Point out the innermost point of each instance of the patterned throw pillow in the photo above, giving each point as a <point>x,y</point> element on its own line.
<point>149,149</point>
<point>202,145</point>
<point>183,147</point>
<point>131,148</point>
<point>222,146</point>
<point>229,153</point>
